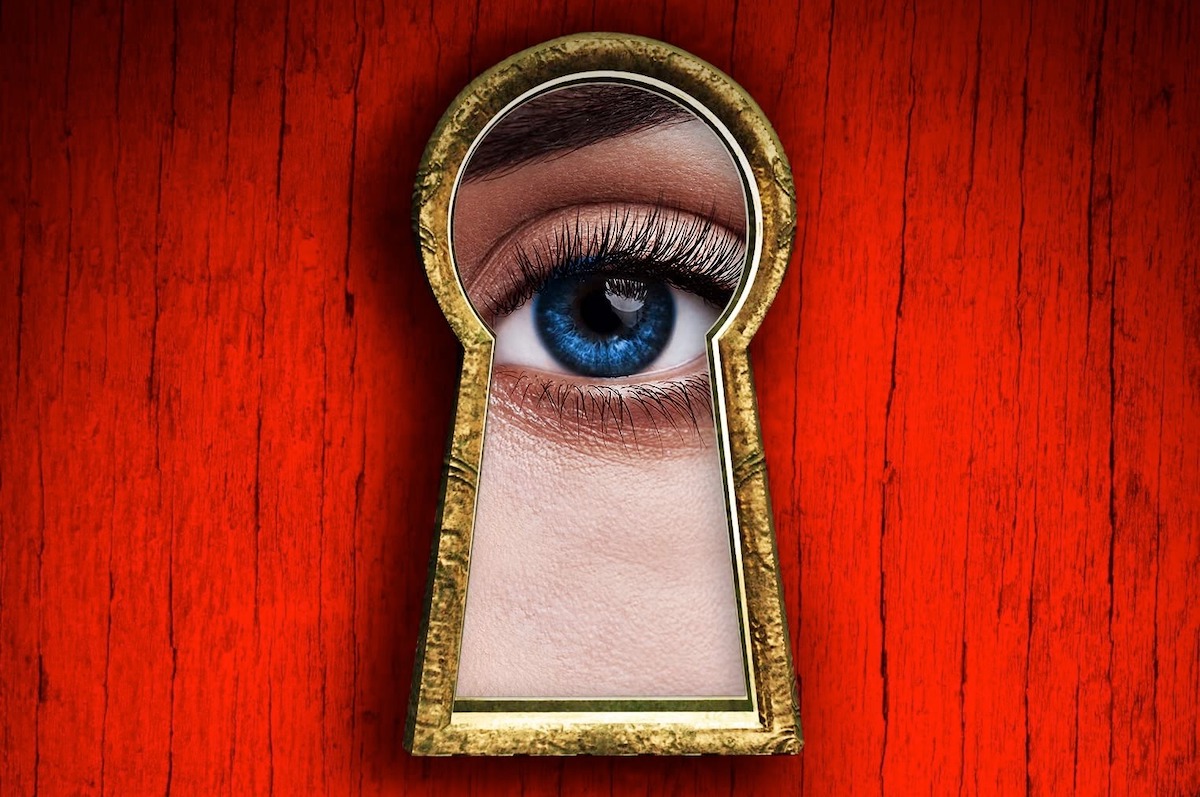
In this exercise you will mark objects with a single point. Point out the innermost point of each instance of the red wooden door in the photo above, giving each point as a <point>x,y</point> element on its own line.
<point>225,386</point>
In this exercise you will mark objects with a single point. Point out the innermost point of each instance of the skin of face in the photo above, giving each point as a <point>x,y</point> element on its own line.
<point>601,561</point>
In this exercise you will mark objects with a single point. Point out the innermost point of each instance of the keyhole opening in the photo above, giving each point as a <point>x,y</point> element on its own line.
<point>600,231</point>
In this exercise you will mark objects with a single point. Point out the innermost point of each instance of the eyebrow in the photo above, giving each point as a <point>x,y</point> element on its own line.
<point>563,121</point>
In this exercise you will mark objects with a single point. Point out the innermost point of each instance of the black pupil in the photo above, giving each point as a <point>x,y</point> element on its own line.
<point>607,307</point>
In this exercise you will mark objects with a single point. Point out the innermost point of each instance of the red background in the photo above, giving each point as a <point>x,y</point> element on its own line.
<point>225,388</point>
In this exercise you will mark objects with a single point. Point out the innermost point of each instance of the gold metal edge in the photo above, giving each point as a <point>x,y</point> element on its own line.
<point>429,730</point>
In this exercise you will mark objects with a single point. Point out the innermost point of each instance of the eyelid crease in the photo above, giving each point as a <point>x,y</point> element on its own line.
<point>690,251</point>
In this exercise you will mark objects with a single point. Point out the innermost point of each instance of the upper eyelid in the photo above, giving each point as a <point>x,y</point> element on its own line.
<point>700,249</point>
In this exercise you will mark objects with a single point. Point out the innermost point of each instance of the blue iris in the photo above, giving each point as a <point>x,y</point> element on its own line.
<point>604,326</point>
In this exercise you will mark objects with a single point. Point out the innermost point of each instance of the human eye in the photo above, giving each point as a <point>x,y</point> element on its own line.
<point>601,313</point>
<point>600,232</point>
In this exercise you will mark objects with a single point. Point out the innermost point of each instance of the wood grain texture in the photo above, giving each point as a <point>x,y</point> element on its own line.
<point>225,387</point>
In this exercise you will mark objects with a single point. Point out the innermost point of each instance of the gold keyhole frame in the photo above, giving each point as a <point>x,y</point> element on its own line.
<point>772,724</point>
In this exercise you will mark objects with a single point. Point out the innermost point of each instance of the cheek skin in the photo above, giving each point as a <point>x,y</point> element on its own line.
<point>598,579</point>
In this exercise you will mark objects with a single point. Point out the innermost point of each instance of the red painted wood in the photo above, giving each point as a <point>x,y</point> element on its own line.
<point>225,387</point>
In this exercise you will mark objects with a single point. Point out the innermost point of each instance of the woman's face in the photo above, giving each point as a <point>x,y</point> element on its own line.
<point>600,230</point>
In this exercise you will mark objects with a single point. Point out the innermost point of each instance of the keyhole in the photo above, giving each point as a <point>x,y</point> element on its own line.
<point>599,229</point>
<point>604,220</point>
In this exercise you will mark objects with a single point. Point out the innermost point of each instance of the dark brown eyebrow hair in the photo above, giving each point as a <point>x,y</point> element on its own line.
<point>560,122</point>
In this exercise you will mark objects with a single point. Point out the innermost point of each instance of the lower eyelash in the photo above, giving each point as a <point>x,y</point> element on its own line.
<point>636,414</point>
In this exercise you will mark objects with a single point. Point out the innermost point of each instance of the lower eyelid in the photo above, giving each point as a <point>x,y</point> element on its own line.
<point>647,415</point>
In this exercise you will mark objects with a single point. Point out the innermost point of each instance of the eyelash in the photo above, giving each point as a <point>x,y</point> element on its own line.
<point>690,252</point>
<point>617,412</point>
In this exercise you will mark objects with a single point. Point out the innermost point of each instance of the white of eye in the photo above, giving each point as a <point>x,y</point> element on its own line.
<point>694,317</point>
<point>518,341</point>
